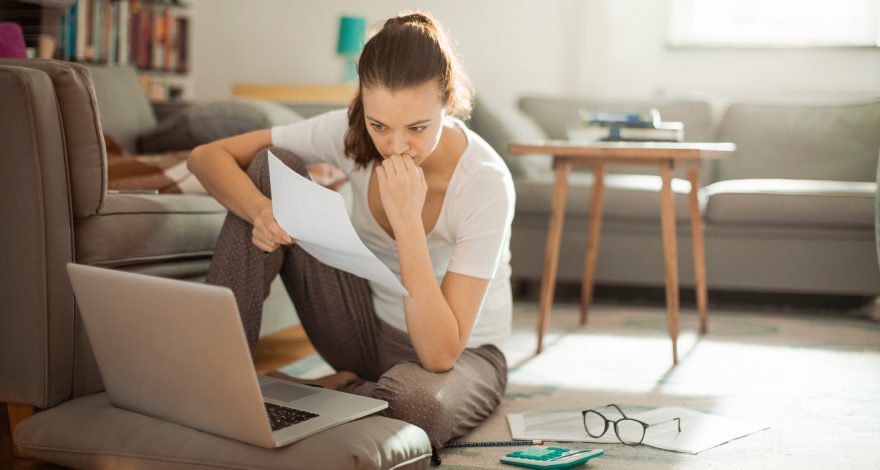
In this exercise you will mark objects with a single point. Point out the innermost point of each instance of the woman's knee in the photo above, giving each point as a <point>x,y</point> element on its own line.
<point>258,169</point>
<point>414,395</point>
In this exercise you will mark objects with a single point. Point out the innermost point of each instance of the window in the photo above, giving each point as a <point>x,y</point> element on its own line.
<point>775,23</point>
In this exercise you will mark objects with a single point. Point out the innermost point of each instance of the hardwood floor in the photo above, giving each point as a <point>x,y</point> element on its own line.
<point>273,351</point>
<point>282,348</point>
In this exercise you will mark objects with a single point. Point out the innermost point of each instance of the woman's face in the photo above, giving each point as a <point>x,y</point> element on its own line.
<point>405,122</point>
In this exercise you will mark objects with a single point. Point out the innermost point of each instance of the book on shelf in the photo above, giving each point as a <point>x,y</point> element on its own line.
<point>152,35</point>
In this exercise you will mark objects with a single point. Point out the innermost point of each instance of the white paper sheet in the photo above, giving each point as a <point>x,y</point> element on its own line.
<point>316,217</point>
<point>699,431</point>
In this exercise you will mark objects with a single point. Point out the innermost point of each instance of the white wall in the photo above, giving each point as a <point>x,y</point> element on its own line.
<point>512,47</point>
<point>509,47</point>
<point>625,53</point>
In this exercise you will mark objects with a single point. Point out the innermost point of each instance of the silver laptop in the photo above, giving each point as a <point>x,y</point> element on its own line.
<point>177,351</point>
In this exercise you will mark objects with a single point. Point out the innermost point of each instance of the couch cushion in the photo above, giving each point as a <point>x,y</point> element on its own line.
<point>138,228</point>
<point>125,110</point>
<point>203,123</point>
<point>86,157</point>
<point>90,433</point>
<point>791,202</point>
<point>837,142</point>
<point>496,133</point>
<point>627,197</point>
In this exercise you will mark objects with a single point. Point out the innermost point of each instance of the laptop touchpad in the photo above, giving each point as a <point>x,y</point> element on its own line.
<point>283,392</point>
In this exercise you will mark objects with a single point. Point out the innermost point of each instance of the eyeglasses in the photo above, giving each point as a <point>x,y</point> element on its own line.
<point>629,431</point>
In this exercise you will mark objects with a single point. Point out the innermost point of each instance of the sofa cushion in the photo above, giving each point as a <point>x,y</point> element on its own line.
<point>125,109</point>
<point>774,202</point>
<point>82,130</point>
<point>138,228</point>
<point>90,433</point>
<point>203,123</point>
<point>496,133</point>
<point>837,142</point>
<point>627,197</point>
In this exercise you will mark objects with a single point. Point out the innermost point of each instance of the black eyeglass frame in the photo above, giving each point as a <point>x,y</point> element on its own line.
<point>645,425</point>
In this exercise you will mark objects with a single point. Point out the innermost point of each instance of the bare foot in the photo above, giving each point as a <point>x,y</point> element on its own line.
<point>332,381</point>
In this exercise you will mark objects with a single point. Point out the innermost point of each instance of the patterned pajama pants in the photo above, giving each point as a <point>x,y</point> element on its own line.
<point>336,312</point>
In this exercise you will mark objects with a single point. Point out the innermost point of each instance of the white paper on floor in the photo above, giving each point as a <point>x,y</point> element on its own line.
<point>699,431</point>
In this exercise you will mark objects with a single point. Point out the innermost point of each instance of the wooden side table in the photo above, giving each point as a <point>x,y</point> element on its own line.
<point>667,156</point>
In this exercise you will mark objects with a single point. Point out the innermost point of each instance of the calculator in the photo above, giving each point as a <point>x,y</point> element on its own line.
<point>550,457</point>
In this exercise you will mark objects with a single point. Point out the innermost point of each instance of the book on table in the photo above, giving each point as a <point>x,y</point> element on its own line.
<point>614,126</point>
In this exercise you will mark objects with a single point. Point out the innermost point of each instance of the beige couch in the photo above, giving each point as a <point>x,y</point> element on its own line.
<point>56,209</point>
<point>791,211</point>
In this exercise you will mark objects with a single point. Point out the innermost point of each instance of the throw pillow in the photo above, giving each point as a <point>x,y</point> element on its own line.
<point>203,123</point>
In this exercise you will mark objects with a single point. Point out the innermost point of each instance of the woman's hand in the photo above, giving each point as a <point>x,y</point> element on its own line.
<point>267,234</point>
<point>402,189</point>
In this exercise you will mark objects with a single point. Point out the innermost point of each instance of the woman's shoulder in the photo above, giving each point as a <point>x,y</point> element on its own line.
<point>482,175</point>
<point>480,161</point>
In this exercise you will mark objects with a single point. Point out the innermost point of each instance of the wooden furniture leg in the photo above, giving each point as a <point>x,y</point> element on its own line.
<point>699,251</point>
<point>17,413</point>
<point>592,248</point>
<point>670,254</point>
<point>551,253</point>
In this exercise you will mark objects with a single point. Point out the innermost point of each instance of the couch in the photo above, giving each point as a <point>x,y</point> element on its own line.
<point>56,208</point>
<point>791,211</point>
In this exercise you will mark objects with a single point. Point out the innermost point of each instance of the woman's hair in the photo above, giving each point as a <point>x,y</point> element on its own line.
<point>408,51</point>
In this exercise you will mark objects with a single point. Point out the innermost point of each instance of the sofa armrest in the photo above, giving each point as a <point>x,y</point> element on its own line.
<point>35,242</point>
<point>877,211</point>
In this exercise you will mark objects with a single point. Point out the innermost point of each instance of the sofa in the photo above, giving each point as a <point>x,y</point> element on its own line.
<point>57,209</point>
<point>791,211</point>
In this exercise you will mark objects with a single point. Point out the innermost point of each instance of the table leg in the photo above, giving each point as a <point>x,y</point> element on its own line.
<point>592,248</point>
<point>551,253</point>
<point>699,251</point>
<point>670,255</point>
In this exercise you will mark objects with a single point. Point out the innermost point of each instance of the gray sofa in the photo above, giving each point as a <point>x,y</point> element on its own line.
<point>56,209</point>
<point>791,211</point>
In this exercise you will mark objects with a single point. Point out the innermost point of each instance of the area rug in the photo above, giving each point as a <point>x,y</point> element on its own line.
<point>814,378</point>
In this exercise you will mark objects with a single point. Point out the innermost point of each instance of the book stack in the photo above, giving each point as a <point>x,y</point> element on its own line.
<point>613,126</point>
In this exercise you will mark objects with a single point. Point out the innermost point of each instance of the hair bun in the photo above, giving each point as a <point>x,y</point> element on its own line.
<point>414,17</point>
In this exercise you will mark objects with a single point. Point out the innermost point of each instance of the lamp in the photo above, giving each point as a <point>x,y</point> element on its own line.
<point>349,45</point>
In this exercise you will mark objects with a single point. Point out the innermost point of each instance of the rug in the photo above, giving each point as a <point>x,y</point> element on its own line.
<point>815,378</point>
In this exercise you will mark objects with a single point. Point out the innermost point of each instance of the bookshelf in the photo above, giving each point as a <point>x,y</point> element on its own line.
<point>154,36</point>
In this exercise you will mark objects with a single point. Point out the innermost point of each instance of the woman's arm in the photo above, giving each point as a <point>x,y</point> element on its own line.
<point>439,318</point>
<point>219,166</point>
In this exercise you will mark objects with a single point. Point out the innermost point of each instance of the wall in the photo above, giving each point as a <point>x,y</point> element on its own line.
<point>624,53</point>
<point>607,48</point>
<point>507,51</point>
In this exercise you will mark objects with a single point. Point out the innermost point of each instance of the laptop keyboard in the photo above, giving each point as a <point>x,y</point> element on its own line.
<point>281,416</point>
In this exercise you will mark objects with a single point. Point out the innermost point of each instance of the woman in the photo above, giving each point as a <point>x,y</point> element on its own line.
<point>431,199</point>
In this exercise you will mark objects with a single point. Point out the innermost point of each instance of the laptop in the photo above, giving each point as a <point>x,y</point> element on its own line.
<point>176,350</point>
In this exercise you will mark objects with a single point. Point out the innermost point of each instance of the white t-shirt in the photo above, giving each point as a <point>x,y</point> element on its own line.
<point>472,234</point>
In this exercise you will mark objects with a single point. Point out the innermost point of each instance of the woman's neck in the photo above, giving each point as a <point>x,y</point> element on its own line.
<point>444,159</point>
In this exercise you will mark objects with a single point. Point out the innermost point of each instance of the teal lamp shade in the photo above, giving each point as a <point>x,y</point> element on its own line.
<point>351,35</point>
<point>350,43</point>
